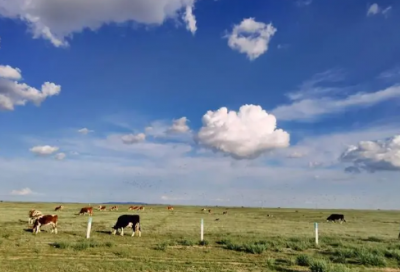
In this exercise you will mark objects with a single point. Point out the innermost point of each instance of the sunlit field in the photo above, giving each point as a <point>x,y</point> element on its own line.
<point>244,239</point>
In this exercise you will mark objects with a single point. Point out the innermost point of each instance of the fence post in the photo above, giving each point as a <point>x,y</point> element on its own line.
<point>316,232</point>
<point>89,227</point>
<point>201,230</point>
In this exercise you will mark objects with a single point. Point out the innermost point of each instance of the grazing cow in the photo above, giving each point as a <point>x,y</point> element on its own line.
<point>209,211</point>
<point>170,208</point>
<point>133,208</point>
<point>59,208</point>
<point>141,208</point>
<point>34,214</point>
<point>204,209</point>
<point>88,210</point>
<point>335,216</point>
<point>44,221</point>
<point>128,221</point>
<point>225,212</point>
<point>114,208</point>
<point>101,208</point>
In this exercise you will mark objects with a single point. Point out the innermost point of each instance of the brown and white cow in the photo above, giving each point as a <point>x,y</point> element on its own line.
<point>88,210</point>
<point>59,208</point>
<point>114,208</point>
<point>170,208</point>
<point>133,208</point>
<point>141,208</point>
<point>49,219</point>
<point>34,214</point>
<point>101,208</point>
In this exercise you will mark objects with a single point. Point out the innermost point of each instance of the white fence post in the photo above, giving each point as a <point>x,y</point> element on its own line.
<point>316,232</point>
<point>89,227</point>
<point>201,230</point>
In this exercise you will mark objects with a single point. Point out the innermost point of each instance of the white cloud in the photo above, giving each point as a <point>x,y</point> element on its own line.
<point>172,198</point>
<point>6,71</point>
<point>251,37</point>
<point>55,20</point>
<point>374,9</point>
<point>386,11</point>
<point>13,93</point>
<point>309,109</point>
<point>133,138</point>
<point>22,192</point>
<point>60,156</point>
<point>190,20</point>
<point>374,155</point>
<point>326,149</point>
<point>85,131</point>
<point>179,126</point>
<point>44,150</point>
<point>244,134</point>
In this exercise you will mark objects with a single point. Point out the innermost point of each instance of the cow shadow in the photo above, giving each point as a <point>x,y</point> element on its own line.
<point>31,230</point>
<point>104,231</point>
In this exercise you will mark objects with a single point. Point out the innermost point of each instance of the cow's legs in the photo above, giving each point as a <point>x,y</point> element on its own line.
<point>122,231</point>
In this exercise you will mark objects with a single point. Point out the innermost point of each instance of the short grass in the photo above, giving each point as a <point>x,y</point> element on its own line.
<point>245,239</point>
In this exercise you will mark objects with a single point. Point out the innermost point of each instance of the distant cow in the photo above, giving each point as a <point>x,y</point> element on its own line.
<point>101,208</point>
<point>88,210</point>
<point>59,208</point>
<point>209,211</point>
<point>34,214</point>
<point>133,208</point>
<point>114,208</point>
<point>225,212</point>
<point>44,221</point>
<point>204,209</point>
<point>128,221</point>
<point>141,208</point>
<point>170,208</point>
<point>334,217</point>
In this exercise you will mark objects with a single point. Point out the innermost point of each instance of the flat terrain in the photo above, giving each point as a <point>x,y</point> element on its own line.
<point>245,239</point>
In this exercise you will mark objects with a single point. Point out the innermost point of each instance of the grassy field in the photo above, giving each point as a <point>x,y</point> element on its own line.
<point>245,239</point>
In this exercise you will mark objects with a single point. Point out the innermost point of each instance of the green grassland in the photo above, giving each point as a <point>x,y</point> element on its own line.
<point>245,239</point>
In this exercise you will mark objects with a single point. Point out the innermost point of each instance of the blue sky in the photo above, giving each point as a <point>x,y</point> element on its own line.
<point>129,100</point>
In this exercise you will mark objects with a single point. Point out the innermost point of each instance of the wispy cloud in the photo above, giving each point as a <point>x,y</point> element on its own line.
<point>23,192</point>
<point>375,9</point>
<point>315,99</point>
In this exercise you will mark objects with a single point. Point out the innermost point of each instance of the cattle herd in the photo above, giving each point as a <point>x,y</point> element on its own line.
<point>38,219</point>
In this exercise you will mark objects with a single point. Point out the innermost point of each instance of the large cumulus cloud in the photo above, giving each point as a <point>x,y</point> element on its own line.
<point>245,134</point>
<point>57,19</point>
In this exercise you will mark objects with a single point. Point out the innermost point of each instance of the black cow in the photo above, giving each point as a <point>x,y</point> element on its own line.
<point>335,216</point>
<point>128,221</point>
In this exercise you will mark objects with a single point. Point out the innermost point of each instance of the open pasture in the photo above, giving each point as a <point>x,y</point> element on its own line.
<point>244,239</point>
